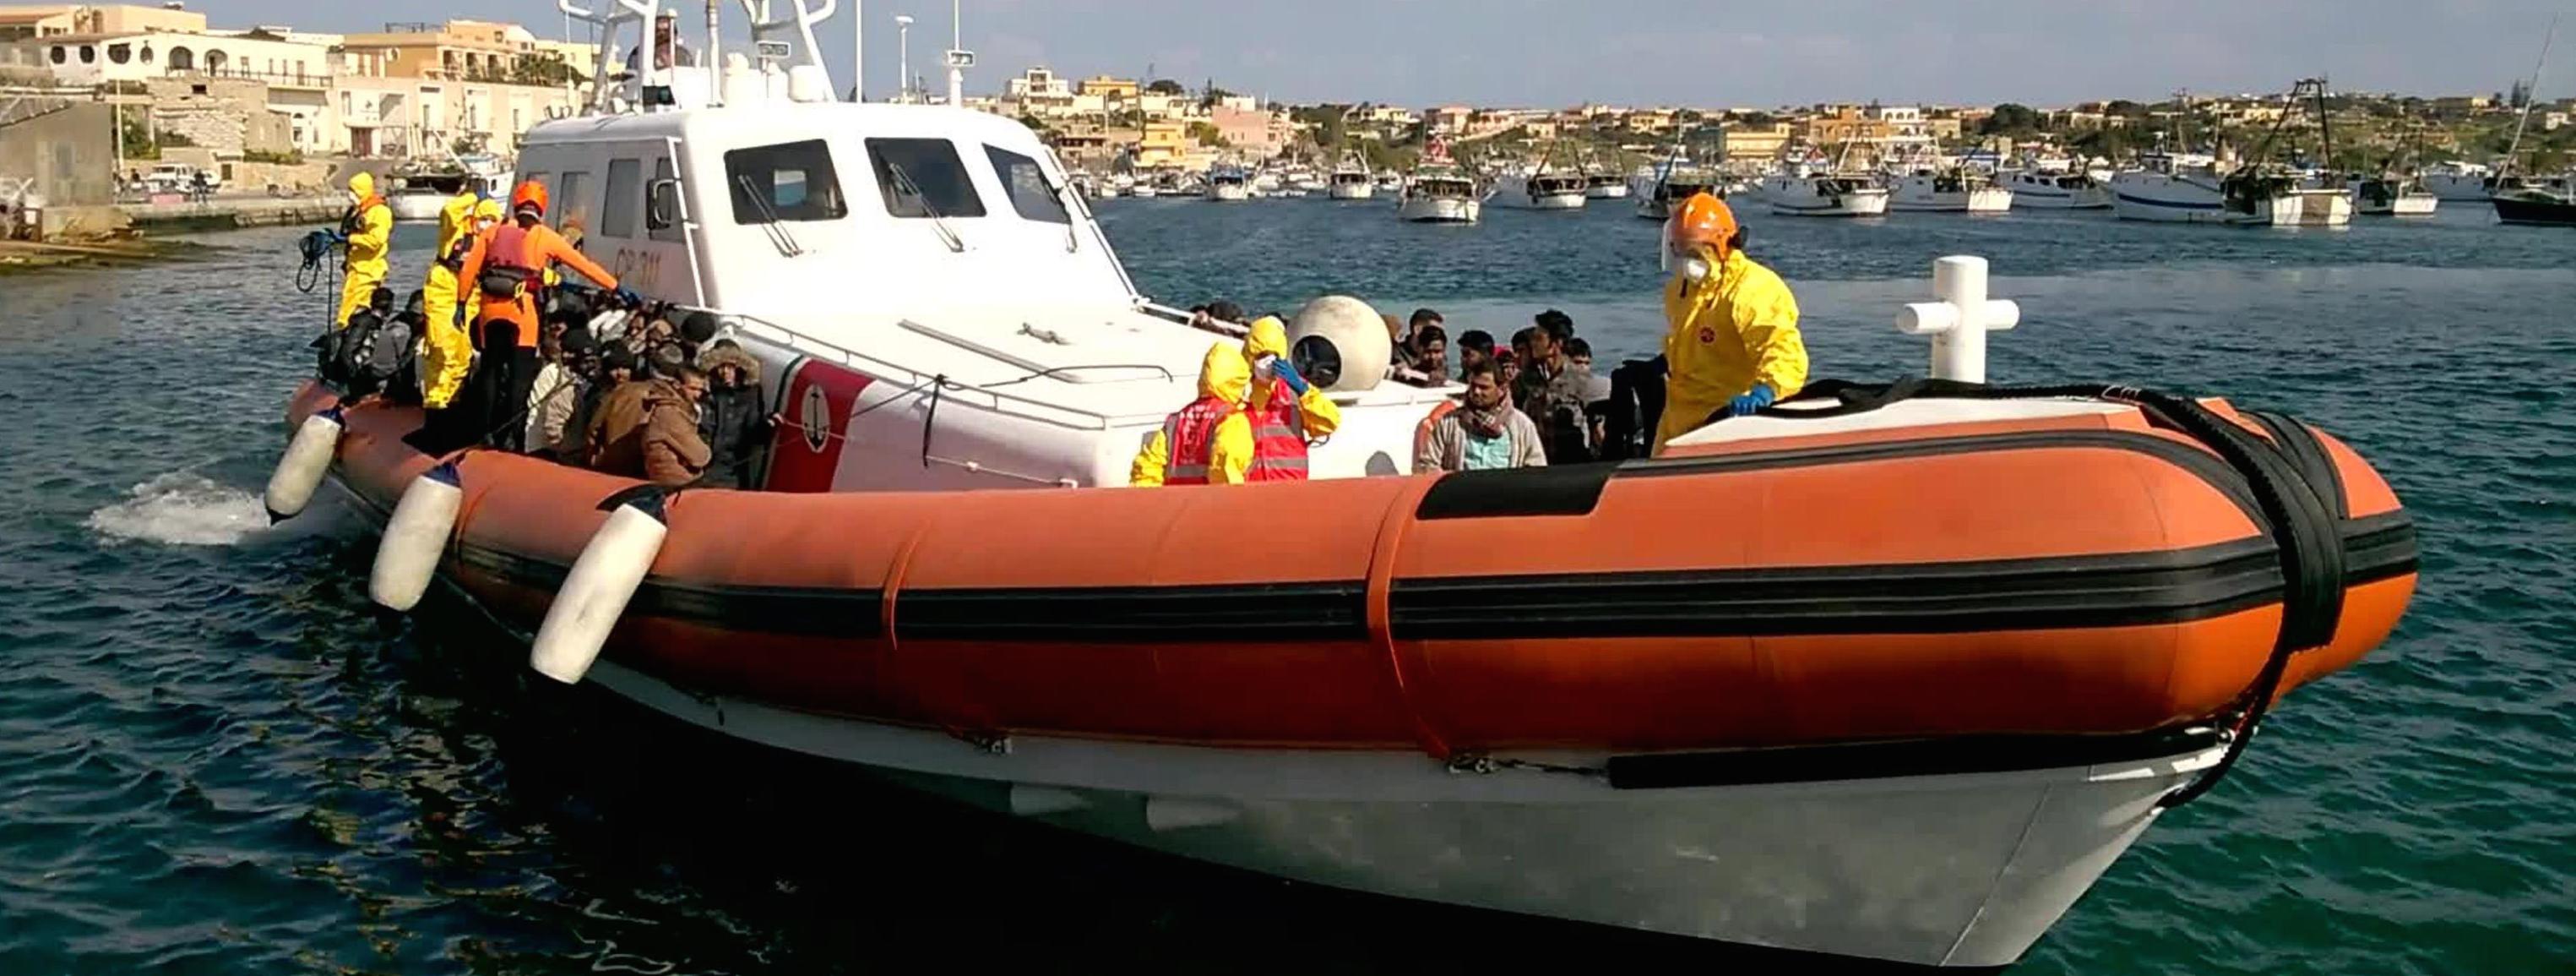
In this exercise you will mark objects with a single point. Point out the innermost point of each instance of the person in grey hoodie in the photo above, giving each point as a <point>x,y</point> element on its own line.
<point>1484,433</point>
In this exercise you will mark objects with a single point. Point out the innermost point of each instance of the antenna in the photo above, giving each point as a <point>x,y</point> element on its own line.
<point>858,52</point>
<point>2529,95</point>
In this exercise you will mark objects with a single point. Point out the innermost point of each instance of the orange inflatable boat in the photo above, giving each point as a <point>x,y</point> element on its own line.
<point>1863,676</point>
<point>2080,575</point>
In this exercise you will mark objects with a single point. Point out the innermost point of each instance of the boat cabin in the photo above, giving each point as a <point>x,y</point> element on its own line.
<point>932,304</point>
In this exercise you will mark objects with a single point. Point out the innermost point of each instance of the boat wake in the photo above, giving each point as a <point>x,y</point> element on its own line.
<point>181,509</point>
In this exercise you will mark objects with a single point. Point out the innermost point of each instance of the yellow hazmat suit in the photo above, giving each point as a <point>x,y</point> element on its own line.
<point>1729,331</point>
<point>1223,375</point>
<point>369,227</point>
<point>447,353</point>
<point>1269,338</point>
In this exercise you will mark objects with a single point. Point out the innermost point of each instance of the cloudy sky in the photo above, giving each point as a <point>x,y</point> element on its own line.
<point>1700,52</point>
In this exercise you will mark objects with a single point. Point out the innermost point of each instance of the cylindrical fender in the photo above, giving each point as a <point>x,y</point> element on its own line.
<point>415,538</point>
<point>299,472</point>
<point>594,595</point>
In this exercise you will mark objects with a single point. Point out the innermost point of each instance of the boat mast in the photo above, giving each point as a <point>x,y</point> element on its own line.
<point>2530,94</point>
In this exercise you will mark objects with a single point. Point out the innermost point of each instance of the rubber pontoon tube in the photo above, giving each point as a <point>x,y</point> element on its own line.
<point>595,594</point>
<point>299,471</point>
<point>2300,519</point>
<point>416,538</point>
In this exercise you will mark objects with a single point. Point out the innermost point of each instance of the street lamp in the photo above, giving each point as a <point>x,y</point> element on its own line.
<point>903,61</point>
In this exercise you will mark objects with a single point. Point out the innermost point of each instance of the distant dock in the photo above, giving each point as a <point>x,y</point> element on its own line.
<point>229,213</point>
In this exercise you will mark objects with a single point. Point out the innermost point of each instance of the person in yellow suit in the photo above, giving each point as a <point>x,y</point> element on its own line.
<point>1733,342</point>
<point>1265,349</point>
<point>446,351</point>
<point>367,229</point>
<point>1208,442</point>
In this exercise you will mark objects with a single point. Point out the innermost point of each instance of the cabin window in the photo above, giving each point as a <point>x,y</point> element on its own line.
<point>625,197</point>
<point>572,207</point>
<point>788,181</point>
<point>923,178</point>
<point>1030,194</point>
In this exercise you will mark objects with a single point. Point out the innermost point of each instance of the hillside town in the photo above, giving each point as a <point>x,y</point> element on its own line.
<point>121,104</point>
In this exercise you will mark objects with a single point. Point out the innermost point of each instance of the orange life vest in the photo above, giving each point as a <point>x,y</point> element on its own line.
<point>509,286</point>
<point>1189,440</point>
<point>1278,437</point>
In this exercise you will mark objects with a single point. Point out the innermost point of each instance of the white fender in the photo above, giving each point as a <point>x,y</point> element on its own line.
<point>594,595</point>
<point>299,472</point>
<point>415,537</point>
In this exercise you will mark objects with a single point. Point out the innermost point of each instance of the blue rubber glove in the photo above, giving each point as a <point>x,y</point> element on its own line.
<point>1286,370</point>
<point>1752,401</point>
<point>628,296</point>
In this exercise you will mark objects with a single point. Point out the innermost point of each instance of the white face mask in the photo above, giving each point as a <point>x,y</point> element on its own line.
<point>1695,269</point>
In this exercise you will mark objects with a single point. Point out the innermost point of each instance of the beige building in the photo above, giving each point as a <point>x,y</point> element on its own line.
<point>418,117</point>
<point>460,50</point>
<point>1165,144</point>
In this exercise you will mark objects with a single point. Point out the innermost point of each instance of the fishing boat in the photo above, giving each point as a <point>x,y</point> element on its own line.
<point>1539,188</point>
<point>1390,182</point>
<point>1144,190</point>
<point>1229,183</point>
<point>2038,189</point>
<point>1991,634</point>
<point>1799,194</point>
<point>1600,183</point>
<point>2260,193</point>
<point>2393,195</point>
<point>1352,180</point>
<point>1440,194</point>
<point>1956,189</point>
<point>419,193</point>
<point>2525,201</point>
<point>1675,181</point>
<point>2459,181</point>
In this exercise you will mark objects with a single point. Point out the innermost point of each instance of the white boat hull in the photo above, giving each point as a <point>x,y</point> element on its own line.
<point>1439,210</point>
<point>2403,205</point>
<point>1606,191</point>
<point>1955,870</point>
<point>1984,200</point>
<point>1229,191</point>
<point>1555,193</point>
<point>1652,208</point>
<point>2164,198</point>
<point>1353,191</point>
<point>416,207</point>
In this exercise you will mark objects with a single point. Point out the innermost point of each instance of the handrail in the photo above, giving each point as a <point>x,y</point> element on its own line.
<point>1090,419</point>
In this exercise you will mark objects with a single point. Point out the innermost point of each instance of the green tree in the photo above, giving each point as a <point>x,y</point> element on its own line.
<point>1206,134</point>
<point>2012,119</point>
<point>1165,86</point>
<point>137,137</point>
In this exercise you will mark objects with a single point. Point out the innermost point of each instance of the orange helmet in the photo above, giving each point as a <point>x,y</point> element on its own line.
<point>1701,220</point>
<point>529,193</point>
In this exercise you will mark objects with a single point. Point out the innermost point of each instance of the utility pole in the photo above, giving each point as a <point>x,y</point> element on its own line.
<point>858,52</point>
<point>903,57</point>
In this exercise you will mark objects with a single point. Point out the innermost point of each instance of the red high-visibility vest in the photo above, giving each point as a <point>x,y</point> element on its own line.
<point>1189,439</point>
<point>1278,437</point>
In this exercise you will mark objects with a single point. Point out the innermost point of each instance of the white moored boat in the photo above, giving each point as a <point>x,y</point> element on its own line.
<point>2034,189</point>
<point>2460,181</point>
<point>1824,195</point>
<point>1228,183</point>
<point>1540,188</point>
<point>2249,197</point>
<point>1659,187</point>
<point>1953,190</point>
<point>2393,196</point>
<point>1440,195</point>
<point>419,194</point>
<point>1602,184</point>
<point>1352,180</point>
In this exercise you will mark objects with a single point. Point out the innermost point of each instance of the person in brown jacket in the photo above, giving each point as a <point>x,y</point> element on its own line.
<point>649,429</point>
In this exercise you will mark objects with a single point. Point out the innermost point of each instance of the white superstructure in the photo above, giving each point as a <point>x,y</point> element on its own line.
<point>2459,181</point>
<point>1440,195</point>
<point>2170,190</point>
<point>1228,183</point>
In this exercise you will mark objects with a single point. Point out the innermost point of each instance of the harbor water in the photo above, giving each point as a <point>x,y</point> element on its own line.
<point>215,757</point>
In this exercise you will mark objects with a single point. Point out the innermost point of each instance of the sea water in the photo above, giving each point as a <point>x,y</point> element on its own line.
<point>216,757</point>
